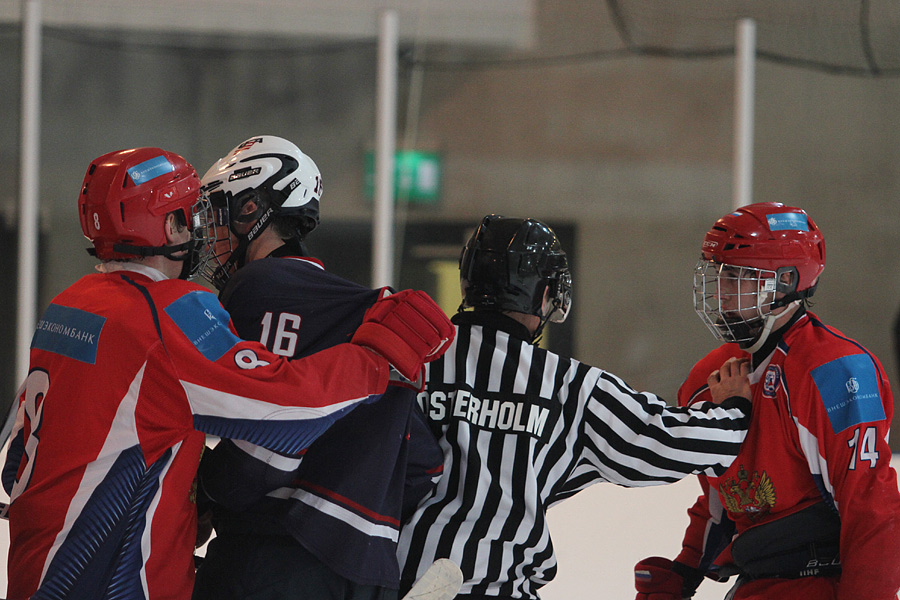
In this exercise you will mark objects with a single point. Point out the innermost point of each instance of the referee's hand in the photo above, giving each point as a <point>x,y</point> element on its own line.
<point>729,380</point>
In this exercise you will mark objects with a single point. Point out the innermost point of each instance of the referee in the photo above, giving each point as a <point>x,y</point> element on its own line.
<point>522,428</point>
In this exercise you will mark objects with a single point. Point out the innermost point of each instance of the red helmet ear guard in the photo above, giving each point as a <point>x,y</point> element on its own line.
<point>126,196</point>
<point>772,237</point>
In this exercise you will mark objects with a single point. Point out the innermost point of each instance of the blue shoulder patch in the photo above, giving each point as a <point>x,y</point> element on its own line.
<point>849,390</point>
<point>69,331</point>
<point>203,320</point>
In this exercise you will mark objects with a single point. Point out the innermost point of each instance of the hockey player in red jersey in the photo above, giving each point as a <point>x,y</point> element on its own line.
<point>810,508</point>
<point>130,367</point>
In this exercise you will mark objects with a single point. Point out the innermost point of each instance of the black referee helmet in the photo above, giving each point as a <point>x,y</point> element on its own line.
<point>509,263</point>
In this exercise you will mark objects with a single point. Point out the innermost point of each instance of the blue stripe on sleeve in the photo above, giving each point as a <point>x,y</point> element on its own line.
<point>280,436</point>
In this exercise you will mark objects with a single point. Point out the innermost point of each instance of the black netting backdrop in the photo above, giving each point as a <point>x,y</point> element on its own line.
<point>847,37</point>
<point>858,37</point>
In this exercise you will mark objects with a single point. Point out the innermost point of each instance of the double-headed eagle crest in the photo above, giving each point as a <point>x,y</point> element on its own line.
<point>753,495</point>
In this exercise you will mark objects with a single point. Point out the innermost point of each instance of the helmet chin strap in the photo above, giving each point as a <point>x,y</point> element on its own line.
<point>548,308</point>
<point>234,261</point>
<point>769,322</point>
<point>539,330</point>
<point>184,253</point>
<point>238,256</point>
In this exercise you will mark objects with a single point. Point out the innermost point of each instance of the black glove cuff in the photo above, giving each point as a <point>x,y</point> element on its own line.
<point>691,576</point>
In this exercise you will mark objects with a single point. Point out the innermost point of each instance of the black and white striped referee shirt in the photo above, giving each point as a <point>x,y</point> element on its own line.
<point>521,429</point>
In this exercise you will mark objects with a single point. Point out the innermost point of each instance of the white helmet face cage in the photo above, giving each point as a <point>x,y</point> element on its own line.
<point>733,301</point>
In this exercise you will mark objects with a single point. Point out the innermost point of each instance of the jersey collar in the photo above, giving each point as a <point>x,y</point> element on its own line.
<point>494,320</point>
<point>124,265</point>
<point>291,251</point>
<point>776,336</point>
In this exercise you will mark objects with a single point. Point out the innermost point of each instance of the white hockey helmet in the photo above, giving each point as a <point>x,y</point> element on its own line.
<point>262,177</point>
<point>271,170</point>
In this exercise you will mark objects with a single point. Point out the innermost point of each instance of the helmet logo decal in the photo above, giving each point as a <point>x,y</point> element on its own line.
<point>709,244</point>
<point>260,224</point>
<point>244,173</point>
<point>247,144</point>
<point>150,169</point>
<point>787,221</point>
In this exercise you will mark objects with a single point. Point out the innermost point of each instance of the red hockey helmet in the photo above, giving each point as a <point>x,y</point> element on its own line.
<point>126,196</point>
<point>754,261</point>
<point>768,236</point>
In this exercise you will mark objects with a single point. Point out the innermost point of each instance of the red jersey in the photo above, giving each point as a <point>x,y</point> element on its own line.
<point>128,372</point>
<point>822,408</point>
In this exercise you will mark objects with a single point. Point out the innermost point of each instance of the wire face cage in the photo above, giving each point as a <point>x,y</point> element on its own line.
<point>733,301</point>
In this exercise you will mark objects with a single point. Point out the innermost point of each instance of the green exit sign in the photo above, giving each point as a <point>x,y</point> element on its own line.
<point>417,176</point>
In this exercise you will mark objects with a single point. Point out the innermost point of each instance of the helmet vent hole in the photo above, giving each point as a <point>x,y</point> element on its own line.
<point>122,210</point>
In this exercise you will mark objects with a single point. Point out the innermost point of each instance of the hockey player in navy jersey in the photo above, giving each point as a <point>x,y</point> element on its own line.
<point>132,366</point>
<point>324,526</point>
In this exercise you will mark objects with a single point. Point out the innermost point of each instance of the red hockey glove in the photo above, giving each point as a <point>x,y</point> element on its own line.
<point>408,329</point>
<point>654,579</point>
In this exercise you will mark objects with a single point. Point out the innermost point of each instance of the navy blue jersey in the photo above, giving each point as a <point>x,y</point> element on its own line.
<point>345,498</point>
<point>271,299</point>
